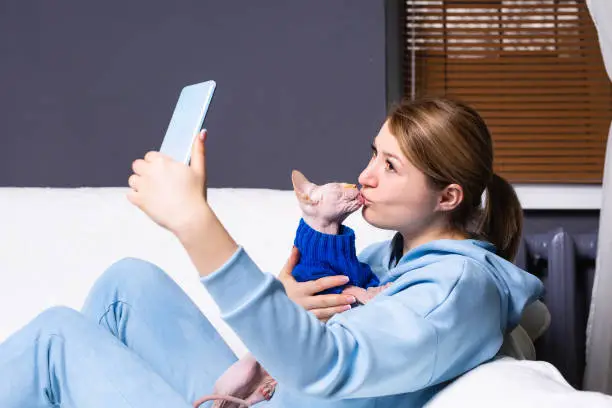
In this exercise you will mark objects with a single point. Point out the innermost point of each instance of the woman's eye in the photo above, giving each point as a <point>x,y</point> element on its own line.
<point>389,166</point>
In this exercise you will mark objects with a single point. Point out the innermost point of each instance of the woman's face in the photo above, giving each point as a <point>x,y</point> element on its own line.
<point>397,195</point>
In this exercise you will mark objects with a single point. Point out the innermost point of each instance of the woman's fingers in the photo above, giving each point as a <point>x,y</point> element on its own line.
<point>133,182</point>
<point>308,288</point>
<point>153,155</point>
<point>198,159</point>
<point>285,275</point>
<point>305,293</point>
<point>294,258</point>
<point>319,285</point>
<point>327,301</point>
<point>327,313</point>
<point>139,166</point>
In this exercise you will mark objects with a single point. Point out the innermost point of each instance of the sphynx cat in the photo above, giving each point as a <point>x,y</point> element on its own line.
<point>324,208</point>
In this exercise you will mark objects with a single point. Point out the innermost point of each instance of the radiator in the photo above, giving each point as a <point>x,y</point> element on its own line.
<point>566,265</point>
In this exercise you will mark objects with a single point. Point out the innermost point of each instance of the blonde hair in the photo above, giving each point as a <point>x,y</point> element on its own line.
<point>450,143</point>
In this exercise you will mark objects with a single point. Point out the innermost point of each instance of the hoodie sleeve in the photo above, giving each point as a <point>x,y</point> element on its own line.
<point>427,331</point>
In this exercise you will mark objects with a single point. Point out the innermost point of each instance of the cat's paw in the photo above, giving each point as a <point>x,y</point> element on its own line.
<point>360,294</point>
<point>264,392</point>
<point>375,290</point>
<point>241,378</point>
<point>246,379</point>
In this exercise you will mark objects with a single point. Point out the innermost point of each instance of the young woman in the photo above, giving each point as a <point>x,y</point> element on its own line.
<point>140,342</point>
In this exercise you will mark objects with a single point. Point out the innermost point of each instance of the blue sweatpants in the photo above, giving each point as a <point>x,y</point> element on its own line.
<point>139,341</point>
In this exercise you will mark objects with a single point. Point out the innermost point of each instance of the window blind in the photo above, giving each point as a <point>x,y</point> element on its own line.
<point>532,68</point>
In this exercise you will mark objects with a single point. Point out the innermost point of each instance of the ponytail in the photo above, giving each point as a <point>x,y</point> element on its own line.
<point>501,222</point>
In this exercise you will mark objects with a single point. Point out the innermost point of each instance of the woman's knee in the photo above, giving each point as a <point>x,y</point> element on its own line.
<point>63,323</point>
<point>129,274</point>
<point>58,319</point>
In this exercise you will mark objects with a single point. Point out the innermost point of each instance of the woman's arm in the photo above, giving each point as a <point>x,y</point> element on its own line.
<point>431,330</point>
<point>206,241</point>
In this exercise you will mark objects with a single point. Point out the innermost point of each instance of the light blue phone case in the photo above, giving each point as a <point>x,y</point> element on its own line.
<point>187,120</point>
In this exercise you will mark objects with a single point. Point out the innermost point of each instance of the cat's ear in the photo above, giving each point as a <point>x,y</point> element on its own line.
<point>302,187</point>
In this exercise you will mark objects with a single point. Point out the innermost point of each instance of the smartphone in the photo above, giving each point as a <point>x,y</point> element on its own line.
<point>187,120</point>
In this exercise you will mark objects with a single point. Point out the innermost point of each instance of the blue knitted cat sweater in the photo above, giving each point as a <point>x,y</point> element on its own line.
<point>327,255</point>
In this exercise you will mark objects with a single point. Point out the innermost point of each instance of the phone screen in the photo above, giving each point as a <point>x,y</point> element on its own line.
<point>187,120</point>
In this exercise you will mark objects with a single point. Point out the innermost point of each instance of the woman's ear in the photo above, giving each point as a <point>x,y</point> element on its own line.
<point>450,197</point>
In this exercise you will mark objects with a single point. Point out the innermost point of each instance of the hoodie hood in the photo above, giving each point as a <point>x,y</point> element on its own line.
<point>517,287</point>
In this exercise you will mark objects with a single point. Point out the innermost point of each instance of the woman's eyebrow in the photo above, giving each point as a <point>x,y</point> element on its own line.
<point>386,153</point>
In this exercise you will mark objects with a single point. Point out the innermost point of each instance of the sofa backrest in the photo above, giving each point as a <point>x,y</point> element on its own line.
<point>56,242</point>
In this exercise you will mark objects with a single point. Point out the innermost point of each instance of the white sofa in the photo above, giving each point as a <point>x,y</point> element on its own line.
<point>56,242</point>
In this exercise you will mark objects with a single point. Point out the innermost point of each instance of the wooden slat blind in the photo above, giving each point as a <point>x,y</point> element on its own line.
<point>534,71</point>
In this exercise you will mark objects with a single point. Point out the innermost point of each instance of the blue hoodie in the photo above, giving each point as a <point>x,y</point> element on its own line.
<point>447,311</point>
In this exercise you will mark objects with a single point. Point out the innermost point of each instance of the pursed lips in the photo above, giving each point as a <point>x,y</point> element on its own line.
<point>363,198</point>
<point>360,197</point>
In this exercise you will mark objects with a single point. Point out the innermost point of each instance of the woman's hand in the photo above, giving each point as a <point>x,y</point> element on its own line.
<point>171,193</point>
<point>304,293</point>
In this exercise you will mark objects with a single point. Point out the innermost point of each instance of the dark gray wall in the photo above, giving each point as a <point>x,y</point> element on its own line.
<point>87,87</point>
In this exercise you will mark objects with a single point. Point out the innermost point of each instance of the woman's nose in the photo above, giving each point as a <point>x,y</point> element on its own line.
<point>366,179</point>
